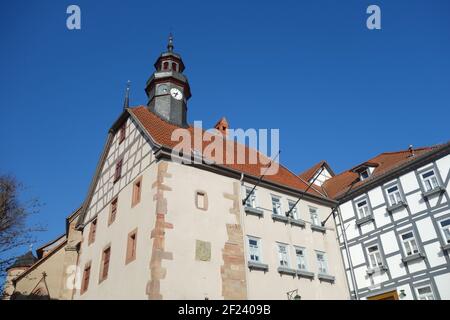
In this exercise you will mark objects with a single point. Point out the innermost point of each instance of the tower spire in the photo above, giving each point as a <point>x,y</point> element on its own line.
<point>170,44</point>
<point>126,102</point>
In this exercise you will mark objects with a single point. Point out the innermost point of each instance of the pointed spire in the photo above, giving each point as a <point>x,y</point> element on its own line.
<point>126,103</point>
<point>170,44</point>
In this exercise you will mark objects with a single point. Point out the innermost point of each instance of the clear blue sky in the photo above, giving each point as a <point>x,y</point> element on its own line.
<point>336,90</point>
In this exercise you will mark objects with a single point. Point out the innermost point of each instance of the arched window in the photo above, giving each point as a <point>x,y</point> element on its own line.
<point>165,65</point>
<point>174,66</point>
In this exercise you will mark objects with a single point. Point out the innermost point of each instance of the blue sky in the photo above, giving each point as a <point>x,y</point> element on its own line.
<point>336,90</point>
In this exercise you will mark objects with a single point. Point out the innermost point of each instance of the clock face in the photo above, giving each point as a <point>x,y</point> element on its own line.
<point>163,89</point>
<point>176,94</point>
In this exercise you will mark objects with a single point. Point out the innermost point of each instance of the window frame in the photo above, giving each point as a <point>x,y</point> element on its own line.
<point>441,229</point>
<point>113,213</point>
<point>397,195</point>
<point>86,271</point>
<point>424,180</point>
<point>305,260</point>
<point>137,191</point>
<point>92,231</point>
<point>202,193</point>
<point>252,199</point>
<point>294,212</point>
<point>259,249</point>
<point>414,237</point>
<point>118,170</point>
<point>325,262</point>
<point>131,252</point>
<point>104,272</point>
<point>316,212</point>
<point>122,132</point>
<point>274,204</point>
<point>421,286</point>
<point>357,207</point>
<point>370,254</point>
<point>286,257</point>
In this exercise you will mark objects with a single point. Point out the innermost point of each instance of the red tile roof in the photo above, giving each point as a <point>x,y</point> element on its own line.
<point>309,173</point>
<point>383,163</point>
<point>161,132</point>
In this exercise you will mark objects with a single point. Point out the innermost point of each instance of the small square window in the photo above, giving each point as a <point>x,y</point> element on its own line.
<point>251,200</point>
<point>363,209</point>
<point>445,229</point>
<point>201,200</point>
<point>364,174</point>
<point>394,195</point>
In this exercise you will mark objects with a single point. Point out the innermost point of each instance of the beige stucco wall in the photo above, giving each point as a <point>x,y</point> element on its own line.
<point>53,267</point>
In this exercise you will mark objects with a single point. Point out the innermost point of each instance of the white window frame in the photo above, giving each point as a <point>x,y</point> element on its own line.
<point>313,213</point>
<point>425,296</point>
<point>409,242</point>
<point>431,182</point>
<point>283,256</point>
<point>276,205</point>
<point>374,256</point>
<point>301,258</point>
<point>358,208</point>
<point>322,263</point>
<point>442,228</point>
<point>251,201</point>
<point>258,250</point>
<point>394,197</point>
<point>294,211</point>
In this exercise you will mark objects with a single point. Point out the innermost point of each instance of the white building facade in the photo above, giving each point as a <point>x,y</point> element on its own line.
<point>396,218</point>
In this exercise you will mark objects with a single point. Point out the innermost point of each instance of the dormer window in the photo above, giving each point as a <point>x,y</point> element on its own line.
<point>364,174</point>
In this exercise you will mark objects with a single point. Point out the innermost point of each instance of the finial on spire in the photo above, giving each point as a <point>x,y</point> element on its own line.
<point>126,103</point>
<point>170,44</point>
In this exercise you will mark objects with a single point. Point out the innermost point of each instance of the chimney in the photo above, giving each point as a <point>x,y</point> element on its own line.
<point>222,126</point>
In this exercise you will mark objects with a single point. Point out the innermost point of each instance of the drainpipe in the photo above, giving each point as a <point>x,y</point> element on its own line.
<point>344,236</point>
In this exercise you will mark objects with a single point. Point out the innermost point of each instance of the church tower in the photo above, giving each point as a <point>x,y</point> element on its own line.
<point>168,89</point>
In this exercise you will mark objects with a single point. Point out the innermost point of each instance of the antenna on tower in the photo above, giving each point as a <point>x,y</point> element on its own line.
<point>126,102</point>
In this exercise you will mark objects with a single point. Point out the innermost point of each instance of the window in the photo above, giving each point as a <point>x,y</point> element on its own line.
<point>276,205</point>
<point>322,262</point>
<point>363,209</point>
<point>118,172</point>
<point>314,216</point>
<point>137,186</point>
<point>364,174</point>
<point>122,132</point>
<point>174,66</point>
<point>301,258</point>
<point>374,256</point>
<point>105,264</point>
<point>86,275</point>
<point>409,243</point>
<point>92,231</point>
<point>425,293</point>
<point>429,180</point>
<point>445,228</point>
<point>131,247</point>
<point>165,65</point>
<point>283,256</point>
<point>113,211</point>
<point>254,249</point>
<point>294,212</point>
<point>251,201</point>
<point>394,195</point>
<point>201,200</point>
